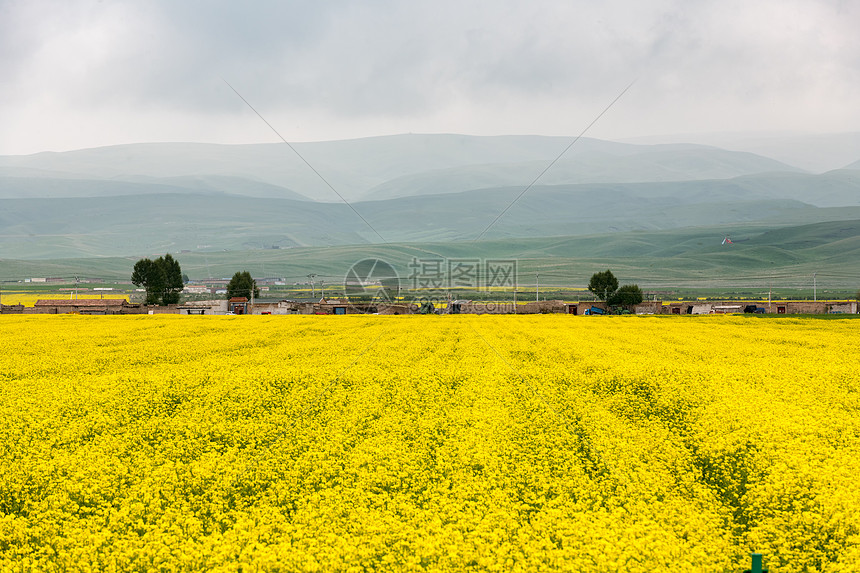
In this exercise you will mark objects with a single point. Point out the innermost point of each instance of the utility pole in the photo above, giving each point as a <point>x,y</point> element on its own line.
<point>814,290</point>
<point>537,287</point>
<point>313,287</point>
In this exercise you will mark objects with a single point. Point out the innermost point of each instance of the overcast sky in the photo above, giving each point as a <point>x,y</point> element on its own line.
<point>77,74</point>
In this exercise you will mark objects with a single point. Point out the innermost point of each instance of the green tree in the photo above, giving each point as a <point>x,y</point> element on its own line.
<point>241,285</point>
<point>148,275</point>
<point>627,295</point>
<point>173,283</point>
<point>161,278</point>
<point>603,285</point>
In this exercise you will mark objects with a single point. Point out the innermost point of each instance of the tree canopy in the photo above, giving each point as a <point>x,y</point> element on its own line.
<point>603,285</point>
<point>627,295</point>
<point>161,278</point>
<point>241,285</point>
<point>148,275</point>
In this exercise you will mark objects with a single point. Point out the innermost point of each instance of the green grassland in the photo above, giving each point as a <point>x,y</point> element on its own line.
<point>53,228</point>
<point>691,261</point>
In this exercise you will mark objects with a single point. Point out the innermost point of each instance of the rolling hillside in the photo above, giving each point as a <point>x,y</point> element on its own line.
<point>759,258</point>
<point>140,223</point>
<point>47,187</point>
<point>656,165</point>
<point>370,168</point>
<point>813,152</point>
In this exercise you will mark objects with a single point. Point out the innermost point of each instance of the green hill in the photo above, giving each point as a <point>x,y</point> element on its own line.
<point>49,187</point>
<point>382,167</point>
<point>140,223</point>
<point>759,258</point>
<point>655,165</point>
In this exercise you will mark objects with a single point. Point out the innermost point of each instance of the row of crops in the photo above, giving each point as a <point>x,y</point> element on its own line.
<point>357,443</point>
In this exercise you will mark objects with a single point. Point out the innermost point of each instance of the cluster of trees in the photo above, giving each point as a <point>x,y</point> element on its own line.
<point>162,279</point>
<point>605,287</point>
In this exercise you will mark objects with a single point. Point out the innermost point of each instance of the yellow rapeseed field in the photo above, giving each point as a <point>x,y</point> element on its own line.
<point>482,443</point>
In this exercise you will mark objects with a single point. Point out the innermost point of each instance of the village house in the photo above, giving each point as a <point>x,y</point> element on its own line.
<point>237,305</point>
<point>773,307</point>
<point>83,306</point>
<point>241,305</point>
<point>204,307</point>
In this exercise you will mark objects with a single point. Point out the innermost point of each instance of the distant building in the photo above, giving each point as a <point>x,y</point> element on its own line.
<point>238,305</point>
<point>82,306</point>
<point>217,306</point>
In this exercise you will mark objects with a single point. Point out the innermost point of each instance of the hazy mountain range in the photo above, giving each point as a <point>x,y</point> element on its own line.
<point>372,168</point>
<point>131,200</point>
<point>816,153</point>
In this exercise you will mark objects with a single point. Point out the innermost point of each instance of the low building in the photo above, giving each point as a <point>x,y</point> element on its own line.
<point>719,309</point>
<point>82,306</point>
<point>156,309</point>
<point>847,307</point>
<point>543,307</point>
<point>648,307</point>
<point>12,308</point>
<point>208,307</point>
<point>196,289</point>
<point>238,305</point>
<point>330,306</point>
<point>773,307</point>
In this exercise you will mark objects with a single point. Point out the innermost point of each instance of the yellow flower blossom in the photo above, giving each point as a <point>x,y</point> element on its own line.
<point>394,443</point>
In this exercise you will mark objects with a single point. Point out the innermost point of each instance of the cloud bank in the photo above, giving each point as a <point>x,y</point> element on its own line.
<point>87,73</point>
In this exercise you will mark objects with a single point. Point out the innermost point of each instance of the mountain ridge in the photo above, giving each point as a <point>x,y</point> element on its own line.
<point>140,223</point>
<point>357,167</point>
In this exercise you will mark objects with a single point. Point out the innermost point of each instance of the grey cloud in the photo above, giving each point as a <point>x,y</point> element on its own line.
<point>707,62</point>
